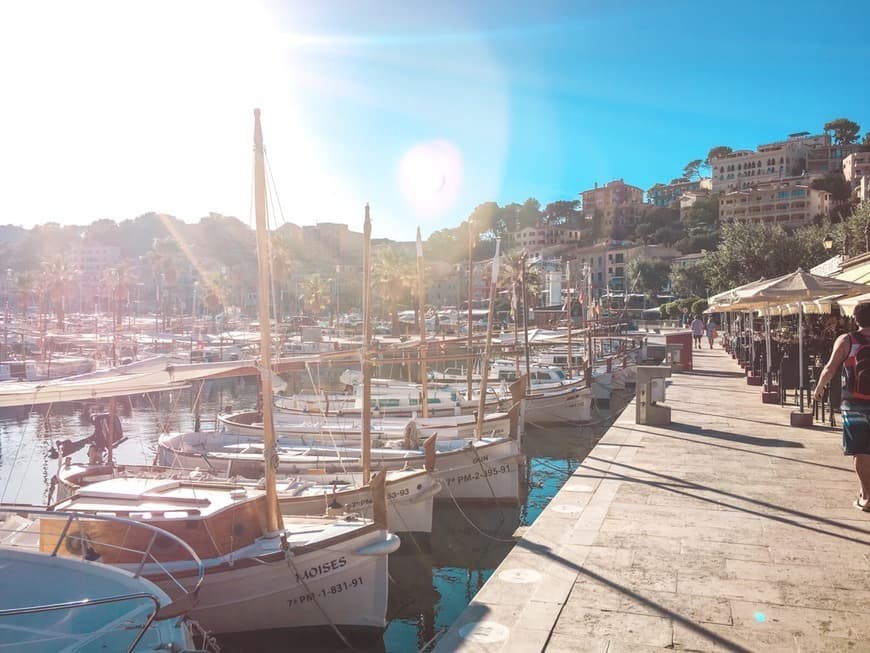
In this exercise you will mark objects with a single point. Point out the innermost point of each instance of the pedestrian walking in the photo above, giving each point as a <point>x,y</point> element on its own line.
<point>697,330</point>
<point>852,351</point>
<point>711,328</point>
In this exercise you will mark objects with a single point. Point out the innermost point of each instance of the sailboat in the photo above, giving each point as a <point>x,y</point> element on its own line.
<point>262,573</point>
<point>480,468</point>
<point>319,490</point>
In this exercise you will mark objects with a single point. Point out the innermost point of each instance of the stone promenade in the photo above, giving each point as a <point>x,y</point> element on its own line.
<point>727,530</point>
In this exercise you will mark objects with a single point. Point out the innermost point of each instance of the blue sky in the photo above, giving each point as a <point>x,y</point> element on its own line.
<point>422,109</point>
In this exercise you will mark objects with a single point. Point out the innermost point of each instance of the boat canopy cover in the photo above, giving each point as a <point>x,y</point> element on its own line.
<point>152,375</point>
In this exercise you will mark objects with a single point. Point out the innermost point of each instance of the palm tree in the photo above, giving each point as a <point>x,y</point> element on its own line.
<point>164,257</point>
<point>118,280</point>
<point>648,276</point>
<point>213,296</point>
<point>511,276</point>
<point>283,266</point>
<point>58,276</point>
<point>27,283</point>
<point>315,290</point>
<point>393,277</point>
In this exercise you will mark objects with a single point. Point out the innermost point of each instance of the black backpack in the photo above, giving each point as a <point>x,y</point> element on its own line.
<point>856,367</point>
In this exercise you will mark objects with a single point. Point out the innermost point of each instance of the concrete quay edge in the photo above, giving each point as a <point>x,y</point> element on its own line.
<point>727,530</point>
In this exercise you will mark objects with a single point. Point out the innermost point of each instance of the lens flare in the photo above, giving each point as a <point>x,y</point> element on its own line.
<point>430,176</point>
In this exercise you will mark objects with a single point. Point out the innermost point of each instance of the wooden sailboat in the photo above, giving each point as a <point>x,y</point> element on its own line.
<point>262,573</point>
<point>480,469</point>
<point>316,491</point>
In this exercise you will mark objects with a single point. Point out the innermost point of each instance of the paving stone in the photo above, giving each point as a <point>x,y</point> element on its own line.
<point>756,552</point>
<point>763,617</point>
<point>732,588</point>
<point>570,643</point>
<point>618,626</point>
<point>726,530</point>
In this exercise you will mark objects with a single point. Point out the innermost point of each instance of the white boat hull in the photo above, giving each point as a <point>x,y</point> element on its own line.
<point>410,493</point>
<point>410,497</point>
<point>570,405</point>
<point>347,430</point>
<point>484,470</point>
<point>309,590</point>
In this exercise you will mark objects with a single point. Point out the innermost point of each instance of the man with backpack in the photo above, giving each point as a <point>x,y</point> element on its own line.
<point>852,350</point>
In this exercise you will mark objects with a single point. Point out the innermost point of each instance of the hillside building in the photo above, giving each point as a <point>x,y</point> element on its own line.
<point>615,205</point>
<point>788,202</point>
<point>607,262</point>
<point>689,260</point>
<point>771,162</point>
<point>856,170</point>
<point>668,195</point>
<point>91,261</point>
<point>534,240</point>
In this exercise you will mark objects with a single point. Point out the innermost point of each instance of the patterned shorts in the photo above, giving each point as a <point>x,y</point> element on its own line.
<point>856,432</point>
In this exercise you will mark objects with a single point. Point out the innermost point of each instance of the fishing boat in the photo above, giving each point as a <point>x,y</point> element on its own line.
<point>388,397</point>
<point>474,470</point>
<point>310,572</point>
<point>265,573</point>
<point>409,492</point>
<point>346,429</point>
<point>59,595</point>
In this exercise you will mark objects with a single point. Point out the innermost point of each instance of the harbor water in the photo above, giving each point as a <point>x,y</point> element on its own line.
<point>431,582</point>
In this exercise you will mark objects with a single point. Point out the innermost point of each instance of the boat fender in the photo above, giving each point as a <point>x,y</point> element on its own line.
<point>386,546</point>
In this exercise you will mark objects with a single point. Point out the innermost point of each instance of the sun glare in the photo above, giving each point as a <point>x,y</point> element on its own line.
<point>430,177</point>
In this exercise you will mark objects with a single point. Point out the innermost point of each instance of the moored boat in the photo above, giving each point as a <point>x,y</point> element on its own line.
<point>409,492</point>
<point>317,572</point>
<point>481,470</point>
<point>96,606</point>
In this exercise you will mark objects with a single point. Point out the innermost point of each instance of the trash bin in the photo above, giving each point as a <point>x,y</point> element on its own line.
<point>683,338</point>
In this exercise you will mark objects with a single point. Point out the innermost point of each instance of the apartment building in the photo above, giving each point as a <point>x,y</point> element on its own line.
<point>616,204</point>
<point>824,159</point>
<point>689,260</point>
<point>608,262</point>
<point>856,170</point>
<point>534,240</point>
<point>91,261</point>
<point>855,167</point>
<point>333,239</point>
<point>788,202</point>
<point>667,195</point>
<point>747,168</point>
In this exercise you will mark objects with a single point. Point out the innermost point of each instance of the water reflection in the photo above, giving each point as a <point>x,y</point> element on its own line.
<point>431,580</point>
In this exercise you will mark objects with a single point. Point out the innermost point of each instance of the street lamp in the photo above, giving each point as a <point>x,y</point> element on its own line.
<point>828,243</point>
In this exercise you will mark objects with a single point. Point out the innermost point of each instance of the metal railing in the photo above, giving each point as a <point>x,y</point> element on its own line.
<point>84,542</point>
<point>85,603</point>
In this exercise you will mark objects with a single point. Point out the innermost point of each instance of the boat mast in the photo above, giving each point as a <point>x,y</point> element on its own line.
<point>270,452</point>
<point>424,381</point>
<point>468,361</point>
<point>570,311</point>
<point>364,352</point>
<point>526,324</point>
<point>484,377</point>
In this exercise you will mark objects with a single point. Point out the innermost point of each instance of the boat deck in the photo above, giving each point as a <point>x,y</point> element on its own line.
<point>726,530</point>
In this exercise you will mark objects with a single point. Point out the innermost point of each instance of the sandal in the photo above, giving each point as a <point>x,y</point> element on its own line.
<point>862,504</point>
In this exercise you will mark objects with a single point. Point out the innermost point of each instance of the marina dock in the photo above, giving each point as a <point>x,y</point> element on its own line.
<point>727,530</point>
